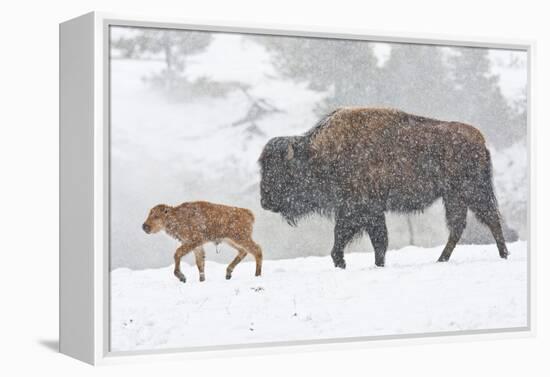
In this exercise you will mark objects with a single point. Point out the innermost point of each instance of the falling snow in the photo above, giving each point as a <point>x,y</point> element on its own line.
<point>192,127</point>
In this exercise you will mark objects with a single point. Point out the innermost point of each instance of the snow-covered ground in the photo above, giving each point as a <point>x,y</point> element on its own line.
<point>307,299</point>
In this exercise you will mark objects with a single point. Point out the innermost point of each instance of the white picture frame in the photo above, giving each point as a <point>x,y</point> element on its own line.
<point>84,188</point>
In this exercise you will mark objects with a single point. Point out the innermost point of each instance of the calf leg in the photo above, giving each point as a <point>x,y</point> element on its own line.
<point>253,248</point>
<point>180,252</point>
<point>199,259</point>
<point>259,260</point>
<point>234,263</point>
<point>244,247</point>
<point>455,213</point>
<point>378,233</point>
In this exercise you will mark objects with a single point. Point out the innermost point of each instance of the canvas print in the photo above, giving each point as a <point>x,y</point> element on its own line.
<point>279,189</point>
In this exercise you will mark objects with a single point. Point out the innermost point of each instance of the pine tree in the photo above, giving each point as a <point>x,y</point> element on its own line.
<point>415,79</point>
<point>172,46</point>
<point>479,100</point>
<point>345,69</point>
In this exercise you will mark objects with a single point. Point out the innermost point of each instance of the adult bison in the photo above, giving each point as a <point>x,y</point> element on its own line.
<point>358,163</point>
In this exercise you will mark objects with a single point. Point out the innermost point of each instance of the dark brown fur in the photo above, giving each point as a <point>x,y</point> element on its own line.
<point>358,163</point>
<point>197,223</point>
<point>387,145</point>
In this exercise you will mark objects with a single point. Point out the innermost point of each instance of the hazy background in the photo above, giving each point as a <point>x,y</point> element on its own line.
<point>191,111</point>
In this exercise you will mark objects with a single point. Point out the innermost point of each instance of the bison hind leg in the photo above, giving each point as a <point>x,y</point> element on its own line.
<point>486,211</point>
<point>455,213</point>
<point>483,203</point>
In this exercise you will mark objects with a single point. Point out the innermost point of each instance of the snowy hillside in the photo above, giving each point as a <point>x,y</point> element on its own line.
<point>164,151</point>
<point>307,298</point>
<point>168,150</point>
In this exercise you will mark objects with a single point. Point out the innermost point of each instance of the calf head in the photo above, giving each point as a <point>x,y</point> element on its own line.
<point>156,221</point>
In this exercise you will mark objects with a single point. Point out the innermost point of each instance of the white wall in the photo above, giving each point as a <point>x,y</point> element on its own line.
<point>29,157</point>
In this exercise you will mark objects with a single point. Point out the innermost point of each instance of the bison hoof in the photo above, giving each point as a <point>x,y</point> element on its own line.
<point>443,259</point>
<point>227,276</point>
<point>504,256</point>
<point>182,279</point>
<point>340,264</point>
<point>201,278</point>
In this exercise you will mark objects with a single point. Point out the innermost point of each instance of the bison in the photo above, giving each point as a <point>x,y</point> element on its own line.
<point>356,164</point>
<point>197,223</point>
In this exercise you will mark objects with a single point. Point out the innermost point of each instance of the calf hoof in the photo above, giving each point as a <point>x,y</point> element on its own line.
<point>504,255</point>
<point>379,264</point>
<point>227,276</point>
<point>443,259</point>
<point>201,278</point>
<point>180,276</point>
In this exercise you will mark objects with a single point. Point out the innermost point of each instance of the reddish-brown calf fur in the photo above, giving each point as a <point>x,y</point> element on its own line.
<point>197,223</point>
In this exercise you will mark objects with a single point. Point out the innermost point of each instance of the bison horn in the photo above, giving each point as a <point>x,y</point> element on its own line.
<point>290,152</point>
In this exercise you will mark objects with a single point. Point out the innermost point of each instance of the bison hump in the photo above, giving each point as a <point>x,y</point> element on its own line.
<point>348,128</point>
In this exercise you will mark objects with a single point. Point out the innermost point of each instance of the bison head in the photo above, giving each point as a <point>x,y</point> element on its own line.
<point>287,185</point>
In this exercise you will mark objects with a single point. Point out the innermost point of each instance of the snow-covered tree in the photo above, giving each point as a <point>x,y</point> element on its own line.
<point>171,46</point>
<point>415,79</point>
<point>346,69</point>
<point>478,97</point>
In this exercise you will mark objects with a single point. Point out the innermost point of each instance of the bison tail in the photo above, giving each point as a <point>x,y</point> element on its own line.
<point>487,199</point>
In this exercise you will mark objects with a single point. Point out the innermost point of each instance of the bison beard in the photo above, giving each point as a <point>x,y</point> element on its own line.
<point>358,163</point>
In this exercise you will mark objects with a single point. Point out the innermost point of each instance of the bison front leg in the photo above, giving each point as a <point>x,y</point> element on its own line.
<point>378,233</point>
<point>347,226</point>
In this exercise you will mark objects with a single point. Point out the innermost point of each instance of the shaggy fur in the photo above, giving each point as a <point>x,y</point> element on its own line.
<point>358,163</point>
<point>196,223</point>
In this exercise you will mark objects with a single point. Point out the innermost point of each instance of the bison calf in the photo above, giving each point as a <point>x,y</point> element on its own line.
<point>197,223</point>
